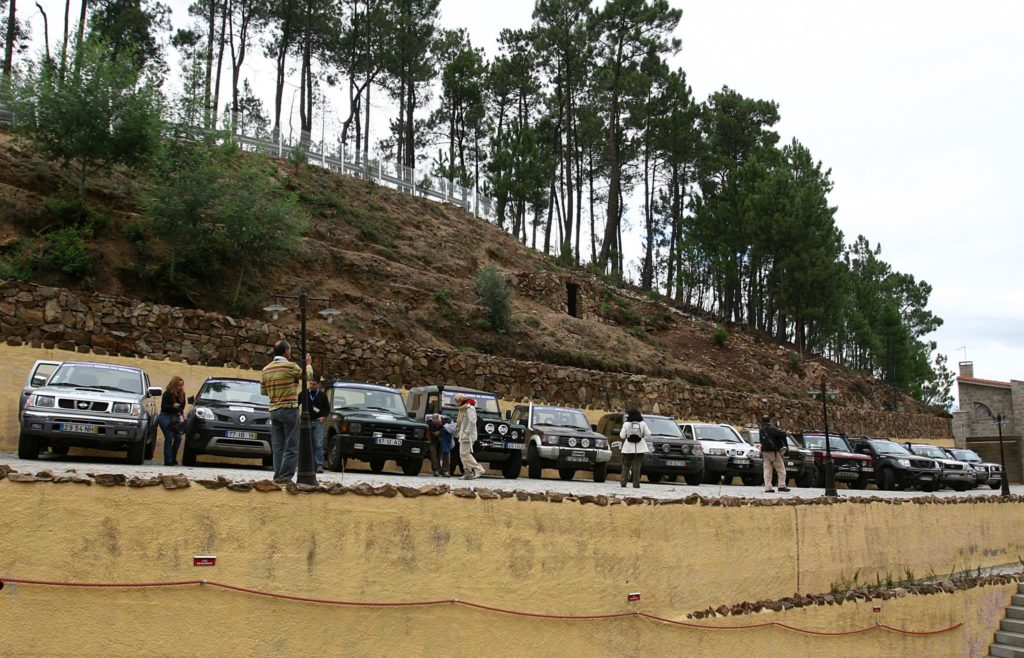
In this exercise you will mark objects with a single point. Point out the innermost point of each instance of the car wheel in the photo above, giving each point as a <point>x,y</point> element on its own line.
<point>333,459</point>
<point>808,479</point>
<point>513,466</point>
<point>567,473</point>
<point>28,446</point>
<point>151,447</point>
<point>654,478</point>
<point>860,483</point>
<point>377,464</point>
<point>886,479</point>
<point>600,472</point>
<point>695,479</point>
<point>412,466</point>
<point>188,455</point>
<point>137,452</point>
<point>533,467</point>
<point>995,486</point>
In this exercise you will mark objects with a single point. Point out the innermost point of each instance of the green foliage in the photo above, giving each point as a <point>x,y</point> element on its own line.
<point>719,336</point>
<point>102,112</point>
<point>65,251</point>
<point>794,360</point>
<point>443,296</point>
<point>493,293</point>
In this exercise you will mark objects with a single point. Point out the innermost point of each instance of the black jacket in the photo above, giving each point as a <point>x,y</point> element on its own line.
<point>772,438</point>
<point>318,406</point>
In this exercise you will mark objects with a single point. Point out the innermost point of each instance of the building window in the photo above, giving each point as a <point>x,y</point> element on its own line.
<point>982,412</point>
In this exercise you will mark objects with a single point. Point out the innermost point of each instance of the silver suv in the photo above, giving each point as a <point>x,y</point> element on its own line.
<point>89,405</point>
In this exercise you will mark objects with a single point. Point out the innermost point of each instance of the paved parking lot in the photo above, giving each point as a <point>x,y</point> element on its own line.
<point>360,473</point>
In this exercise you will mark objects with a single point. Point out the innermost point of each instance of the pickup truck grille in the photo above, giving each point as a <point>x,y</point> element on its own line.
<point>922,463</point>
<point>845,462</point>
<point>390,431</point>
<point>82,405</point>
<point>225,418</point>
<point>954,467</point>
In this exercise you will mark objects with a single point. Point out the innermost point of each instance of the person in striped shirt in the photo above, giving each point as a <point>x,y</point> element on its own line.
<point>281,382</point>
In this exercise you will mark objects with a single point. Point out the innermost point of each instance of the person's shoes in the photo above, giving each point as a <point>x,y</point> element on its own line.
<point>445,474</point>
<point>282,480</point>
<point>168,463</point>
<point>319,470</point>
<point>622,484</point>
<point>770,490</point>
<point>786,489</point>
<point>636,486</point>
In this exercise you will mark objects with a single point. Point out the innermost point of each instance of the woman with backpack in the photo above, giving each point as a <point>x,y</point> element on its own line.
<point>634,435</point>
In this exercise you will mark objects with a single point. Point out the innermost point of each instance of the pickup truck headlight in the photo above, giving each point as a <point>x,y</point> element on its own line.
<point>204,413</point>
<point>572,441</point>
<point>489,428</point>
<point>585,442</point>
<point>903,462</point>
<point>515,435</point>
<point>503,429</point>
<point>600,443</point>
<point>126,409</point>
<point>41,401</point>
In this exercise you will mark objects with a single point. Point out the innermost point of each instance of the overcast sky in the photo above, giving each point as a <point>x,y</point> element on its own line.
<point>915,106</point>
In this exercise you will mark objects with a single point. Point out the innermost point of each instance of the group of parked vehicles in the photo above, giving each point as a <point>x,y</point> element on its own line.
<point>113,407</point>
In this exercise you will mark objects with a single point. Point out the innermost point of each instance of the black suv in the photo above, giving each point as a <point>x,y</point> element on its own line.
<point>896,467</point>
<point>499,442</point>
<point>370,423</point>
<point>230,418</point>
<point>562,438</point>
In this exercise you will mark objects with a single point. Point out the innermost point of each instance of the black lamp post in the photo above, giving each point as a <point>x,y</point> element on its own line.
<point>830,473</point>
<point>306,471</point>
<point>1002,458</point>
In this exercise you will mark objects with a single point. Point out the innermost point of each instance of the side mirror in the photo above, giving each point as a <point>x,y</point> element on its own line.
<point>593,426</point>
<point>412,414</point>
<point>154,392</point>
<point>38,380</point>
<point>508,414</point>
<point>191,399</point>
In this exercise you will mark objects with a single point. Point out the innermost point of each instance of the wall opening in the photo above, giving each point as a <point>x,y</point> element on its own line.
<point>572,291</point>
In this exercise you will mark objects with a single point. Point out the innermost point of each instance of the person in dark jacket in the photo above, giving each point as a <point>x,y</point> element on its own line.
<point>773,447</point>
<point>319,409</point>
<point>172,409</point>
<point>439,434</point>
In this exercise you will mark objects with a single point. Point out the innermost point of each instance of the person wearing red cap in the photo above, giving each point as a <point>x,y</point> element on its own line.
<point>465,433</point>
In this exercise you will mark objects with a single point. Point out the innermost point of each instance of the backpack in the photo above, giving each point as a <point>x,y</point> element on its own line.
<point>634,435</point>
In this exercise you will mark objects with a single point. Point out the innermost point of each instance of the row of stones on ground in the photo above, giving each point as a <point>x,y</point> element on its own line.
<point>860,594</point>
<point>180,481</point>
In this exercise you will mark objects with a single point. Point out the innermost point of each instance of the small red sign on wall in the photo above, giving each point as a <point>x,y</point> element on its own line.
<point>633,596</point>
<point>204,560</point>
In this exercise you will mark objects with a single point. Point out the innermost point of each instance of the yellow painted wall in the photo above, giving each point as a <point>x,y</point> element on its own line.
<point>543,557</point>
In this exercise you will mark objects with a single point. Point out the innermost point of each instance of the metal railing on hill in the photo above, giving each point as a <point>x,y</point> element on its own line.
<point>393,175</point>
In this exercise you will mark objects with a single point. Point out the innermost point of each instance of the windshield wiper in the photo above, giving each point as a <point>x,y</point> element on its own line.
<point>113,388</point>
<point>63,384</point>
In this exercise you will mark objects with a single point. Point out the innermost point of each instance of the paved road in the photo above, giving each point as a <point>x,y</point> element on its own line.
<point>243,473</point>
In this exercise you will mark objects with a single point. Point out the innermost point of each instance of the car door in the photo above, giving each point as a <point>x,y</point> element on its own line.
<point>37,377</point>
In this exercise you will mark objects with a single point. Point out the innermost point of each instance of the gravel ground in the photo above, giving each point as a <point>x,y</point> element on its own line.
<point>243,473</point>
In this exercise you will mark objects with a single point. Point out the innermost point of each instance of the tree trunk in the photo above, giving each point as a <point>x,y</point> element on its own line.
<point>12,25</point>
<point>220,63</point>
<point>282,56</point>
<point>64,42</point>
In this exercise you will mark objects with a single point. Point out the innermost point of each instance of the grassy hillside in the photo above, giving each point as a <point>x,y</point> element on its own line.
<point>398,267</point>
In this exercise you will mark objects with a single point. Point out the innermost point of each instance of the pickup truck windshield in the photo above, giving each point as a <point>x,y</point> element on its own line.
<point>889,448</point>
<point>663,427</point>
<point>560,417</point>
<point>233,391</point>
<point>817,442</point>
<point>966,455</point>
<point>103,377</point>
<point>372,399</point>
<point>715,433</point>
<point>485,402</point>
<point>930,451</point>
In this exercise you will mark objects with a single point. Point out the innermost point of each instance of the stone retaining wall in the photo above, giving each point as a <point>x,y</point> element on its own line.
<point>106,325</point>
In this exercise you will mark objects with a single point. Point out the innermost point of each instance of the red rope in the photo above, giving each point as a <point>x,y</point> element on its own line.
<point>470,604</point>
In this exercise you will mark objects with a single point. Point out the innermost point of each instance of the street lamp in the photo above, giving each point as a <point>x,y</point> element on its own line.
<point>1002,457</point>
<point>830,473</point>
<point>306,473</point>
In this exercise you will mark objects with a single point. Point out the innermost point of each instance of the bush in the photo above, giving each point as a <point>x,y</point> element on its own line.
<point>64,251</point>
<point>442,296</point>
<point>720,336</point>
<point>493,291</point>
<point>794,360</point>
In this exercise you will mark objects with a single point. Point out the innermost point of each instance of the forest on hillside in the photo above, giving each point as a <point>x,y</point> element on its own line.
<point>579,122</point>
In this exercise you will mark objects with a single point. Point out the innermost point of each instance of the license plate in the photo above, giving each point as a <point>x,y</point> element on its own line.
<point>926,477</point>
<point>79,427</point>
<point>514,446</point>
<point>232,434</point>
<point>674,462</point>
<point>868,469</point>
<point>388,442</point>
<point>790,464</point>
<point>741,460</point>
<point>574,458</point>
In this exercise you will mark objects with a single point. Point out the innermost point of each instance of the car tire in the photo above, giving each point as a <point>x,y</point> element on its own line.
<point>377,464</point>
<point>412,466</point>
<point>333,459</point>
<point>995,486</point>
<point>136,453</point>
<point>886,479</point>
<point>188,455</point>
<point>567,473</point>
<point>654,478</point>
<point>151,447</point>
<point>513,466</point>
<point>600,472</point>
<point>533,468</point>
<point>860,483</point>
<point>694,479</point>
<point>28,446</point>
<point>809,479</point>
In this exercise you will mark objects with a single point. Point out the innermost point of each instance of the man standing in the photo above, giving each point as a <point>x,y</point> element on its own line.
<point>773,446</point>
<point>319,409</point>
<point>440,445</point>
<point>465,432</point>
<point>281,382</point>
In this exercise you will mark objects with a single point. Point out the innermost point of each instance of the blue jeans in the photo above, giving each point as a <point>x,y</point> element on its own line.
<point>316,432</point>
<point>284,442</point>
<point>172,439</point>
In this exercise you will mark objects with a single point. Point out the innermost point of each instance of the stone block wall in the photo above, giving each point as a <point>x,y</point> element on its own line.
<point>107,325</point>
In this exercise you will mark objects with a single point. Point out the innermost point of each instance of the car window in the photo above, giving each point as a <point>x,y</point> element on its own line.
<point>687,432</point>
<point>561,417</point>
<point>966,455</point>
<point>368,397</point>
<point>817,442</point>
<point>663,426</point>
<point>96,375</point>
<point>889,448</point>
<point>930,451</point>
<point>716,433</point>
<point>485,402</point>
<point>232,391</point>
